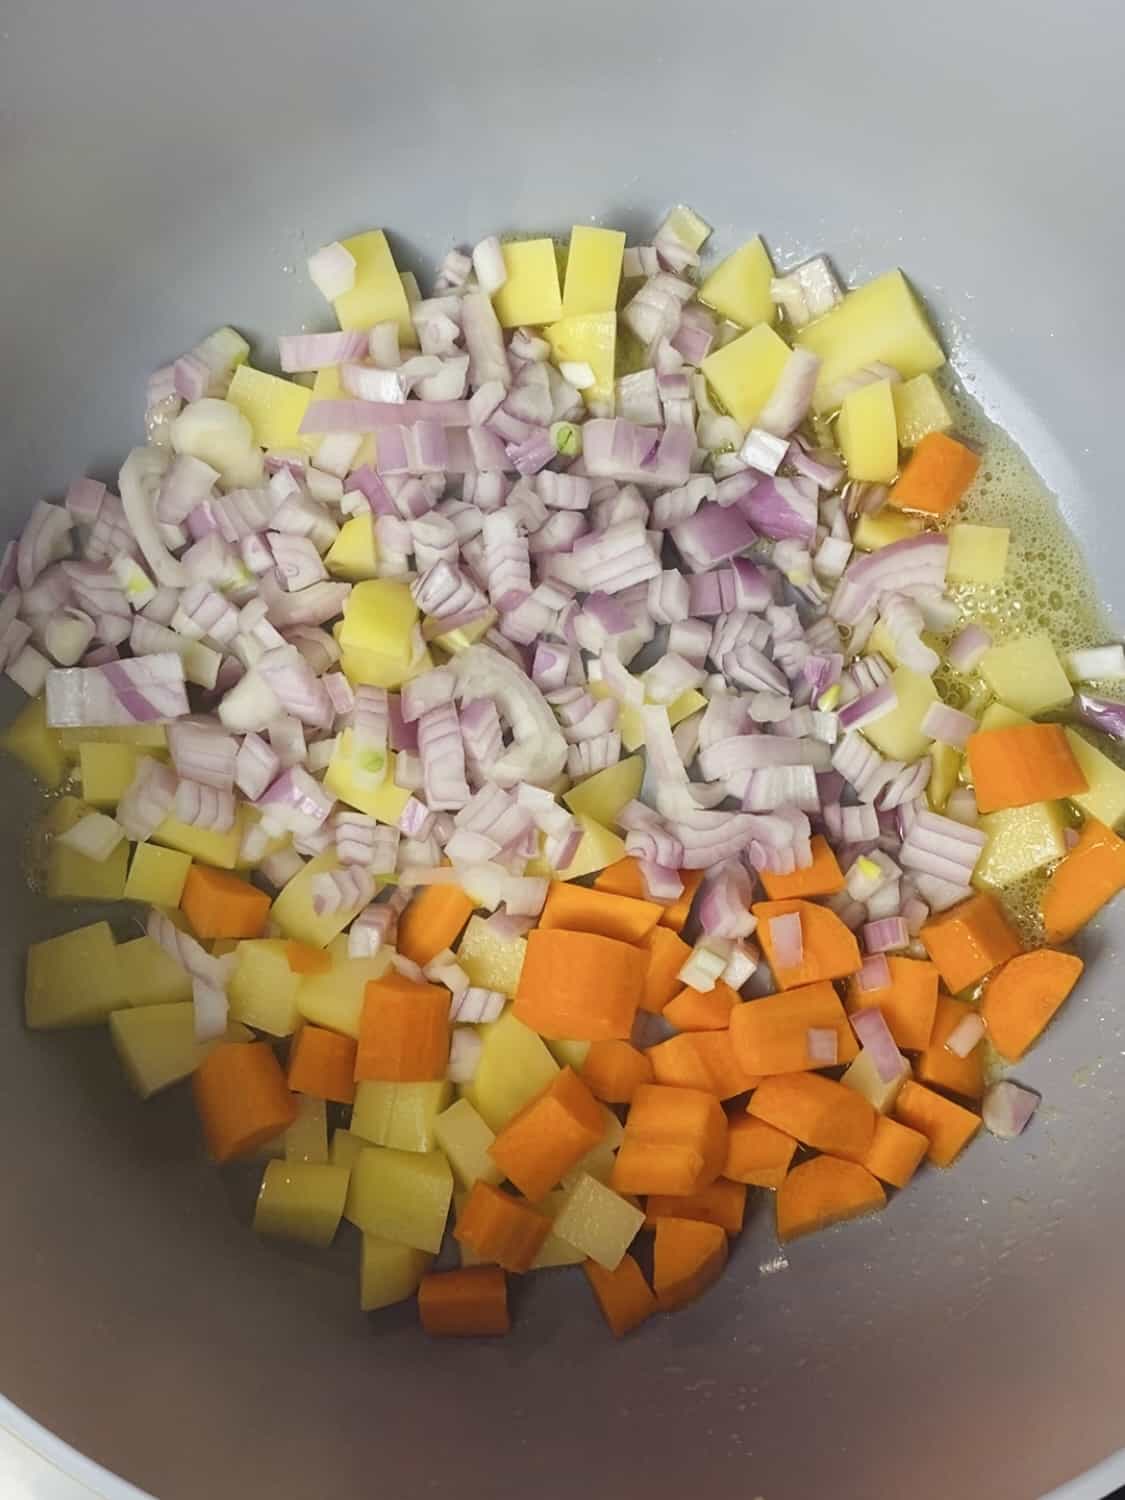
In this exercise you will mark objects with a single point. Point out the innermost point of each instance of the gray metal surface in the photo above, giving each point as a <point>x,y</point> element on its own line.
<point>165,169</point>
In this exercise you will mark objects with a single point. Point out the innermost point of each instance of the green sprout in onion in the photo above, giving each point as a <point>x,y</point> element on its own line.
<point>567,439</point>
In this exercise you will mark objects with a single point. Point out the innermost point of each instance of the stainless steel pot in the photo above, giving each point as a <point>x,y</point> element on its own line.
<point>165,169</point>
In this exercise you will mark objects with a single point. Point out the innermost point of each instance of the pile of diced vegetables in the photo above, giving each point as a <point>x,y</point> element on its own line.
<point>486,705</point>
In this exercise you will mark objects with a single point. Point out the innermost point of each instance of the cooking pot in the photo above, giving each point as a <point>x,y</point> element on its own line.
<point>165,169</point>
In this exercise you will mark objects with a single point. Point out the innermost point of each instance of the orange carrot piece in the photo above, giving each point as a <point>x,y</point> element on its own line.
<point>936,475</point>
<point>472,1302</point>
<point>944,1069</point>
<point>702,1010</point>
<point>539,1145</point>
<point>817,1111</point>
<point>580,986</point>
<point>825,1191</point>
<point>771,1034</point>
<point>757,1153</point>
<point>667,954</point>
<point>432,922</point>
<point>908,1003</point>
<point>576,908</point>
<point>722,1203</point>
<point>896,1152</point>
<point>822,878</point>
<point>687,1257</point>
<point>701,1060</point>
<point>241,1098</point>
<point>624,1296</point>
<point>1090,875</point>
<point>403,1031</point>
<point>1022,764</point>
<point>676,912</point>
<point>970,940</point>
<point>322,1064</point>
<point>625,879</point>
<point>948,1127</point>
<point>614,1071</point>
<point>220,905</point>
<point>675,1142</point>
<point>501,1229</point>
<point>1021,998</point>
<point>830,950</point>
<point>303,958</point>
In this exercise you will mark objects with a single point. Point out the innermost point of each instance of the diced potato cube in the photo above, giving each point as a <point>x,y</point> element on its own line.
<point>378,295</point>
<point>593,270</point>
<point>209,848</point>
<point>275,408</point>
<point>531,293</point>
<point>868,435</point>
<point>306,1140</point>
<point>864,1077</point>
<point>401,1115</point>
<point>946,768</point>
<point>72,876</point>
<point>148,737</point>
<point>345,1147</point>
<point>514,1066</point>
<point>157,1045</point>
<point>389,1273</point>
<point>881,322</point>
<point>898,734</point>
<point>41,749</point>
<point>353,555</point>
<point>301,1201</point>
<point>384,802</point>
<point>465,1138</point>
<point>554,1250</point>
<point>491,962</point>
<point>589,339</point>
<point>569,1054</point>
<point>335,999</point>
<point>1105,798</point>
<point>263,988</point>
<point>381,616</point>
<point>156,876</point>
<point>106,771</point>
<point>72,979</point>
<point>293,909</point>
<point>598,1221</point>
<point>402,1196</point>
<point>886,526</point>
<point>743,373</point>
<point>1000,716</point>
<point>919,410</point>
<point>370,667</point>
<point>1020,840</point>
<point>599,847</point>
<point>1027,674</point>
<point>603,795</point>
<point>146,975</point>
<point>977,554</point>
<point>739,287</point>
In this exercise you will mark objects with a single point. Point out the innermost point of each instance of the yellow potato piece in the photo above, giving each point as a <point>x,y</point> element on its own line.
<point>301,1201</point>
<point>157,1047</point>
<point>1027,675</point>
<point>898,735</point>
<point>739,287</point>
<point>275,408</point>
<point>919,410</point>
<point>744,372</point>
<point>589,339</point>
<point>531,293</point>
<point>868,433</point>
<point>378,295</point>
<point>593,270</point>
